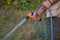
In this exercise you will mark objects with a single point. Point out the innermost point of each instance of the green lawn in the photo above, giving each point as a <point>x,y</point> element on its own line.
<point>10,17</point>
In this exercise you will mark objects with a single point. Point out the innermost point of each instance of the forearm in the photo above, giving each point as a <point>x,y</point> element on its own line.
<point>46,4</point>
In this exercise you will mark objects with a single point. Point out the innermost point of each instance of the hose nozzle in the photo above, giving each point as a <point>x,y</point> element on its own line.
<point>30,15</point>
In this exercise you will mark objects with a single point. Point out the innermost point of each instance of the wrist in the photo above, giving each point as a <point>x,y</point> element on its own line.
<point>52,1</point>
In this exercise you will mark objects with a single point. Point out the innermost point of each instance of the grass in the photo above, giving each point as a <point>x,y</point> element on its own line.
<point>10,17</point>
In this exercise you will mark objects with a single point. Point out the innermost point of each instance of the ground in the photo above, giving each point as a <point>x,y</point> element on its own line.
<point>9,18</point>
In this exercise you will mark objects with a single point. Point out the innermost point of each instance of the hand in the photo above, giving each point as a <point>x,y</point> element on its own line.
<point>46,4</point>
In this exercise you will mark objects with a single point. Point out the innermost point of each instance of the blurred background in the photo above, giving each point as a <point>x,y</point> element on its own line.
<point>12,12</point>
